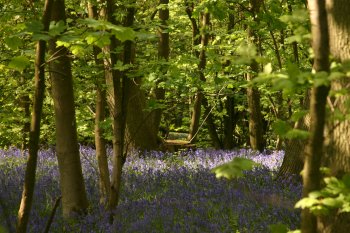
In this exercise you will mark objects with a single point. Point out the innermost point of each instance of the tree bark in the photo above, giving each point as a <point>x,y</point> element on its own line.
<point>253,95</point>
<point>100,142</point>
<point>121,91</point>
<point>200,98</point>
<point>293,161</point>
<point>163,56</point>
<point>338,131</point>
<point>318,99</point>
<point>34,135</point>
<point>71,178</point>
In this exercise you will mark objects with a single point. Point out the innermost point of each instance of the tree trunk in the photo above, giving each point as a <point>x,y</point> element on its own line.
<point>253,95</point>
<point>100,143</point>
<point>337,140</point>
<point>230,119</point>
<point>121,87</point>
<point>293,161</point>
<point>71,178</point>
<point>229,123</point>
<point>163,56</point>
<point>25,104</point>
<point>34,135</point>
<point>318,99</point>
<point>140,127</point>
<point>200,99</point>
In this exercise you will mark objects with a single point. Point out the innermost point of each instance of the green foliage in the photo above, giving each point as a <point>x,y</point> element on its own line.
<point>334,196</point>
<point>19,63</point>
<point>234,169</point>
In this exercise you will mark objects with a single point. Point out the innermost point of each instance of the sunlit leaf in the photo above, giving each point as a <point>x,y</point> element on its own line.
<point>234,168</point>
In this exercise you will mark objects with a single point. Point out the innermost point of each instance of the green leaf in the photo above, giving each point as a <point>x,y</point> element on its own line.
<point>122,33</point>
<point>306,202</point>
<point>321,79</point>
<point>331,202</point>
<point>268,68</point>
<point>13,42</point>
<point>234,168</point>
<point>281,127</point>
<point>346,180</point>
<point>297,134</point>
<point>19,63</point>
<point>278,228</point>
<point>34,26</point>
<point>56,28</point>
<point>297,115</point>
<point>315,194</point>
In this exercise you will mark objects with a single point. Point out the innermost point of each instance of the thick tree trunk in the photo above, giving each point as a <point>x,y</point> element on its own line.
<point>337,146</point>
<point>34,135</point>
<point>71,178</point>
<point>318,99</point>
<point>293,161</point>
<point>100,143</point>
<point>256,131</point>
<point>140,128</point>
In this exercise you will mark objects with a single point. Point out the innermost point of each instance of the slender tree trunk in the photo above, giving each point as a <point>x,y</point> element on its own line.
<point>100,143</point>
<point>197,103</point>
<point>34,135</point>
<point>200,99</point>
<point>229,123</point>
<point>25,103</point>
<point>71,178</point>
<point>255,117</point>
<point>230,119</point>
<point>163,56</point>
<point>121,87</point>
<point>314,148</point>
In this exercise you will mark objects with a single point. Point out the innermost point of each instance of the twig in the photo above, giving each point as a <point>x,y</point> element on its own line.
<point>52,215</point>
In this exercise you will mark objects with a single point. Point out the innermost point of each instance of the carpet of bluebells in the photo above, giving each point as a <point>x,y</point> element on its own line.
<point>161,192</point>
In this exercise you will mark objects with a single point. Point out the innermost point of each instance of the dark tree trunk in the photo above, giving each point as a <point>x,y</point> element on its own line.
<point>34,135</point>
<point>200,98</point>
<point>230,118</point>
<point>100,142</point>
<point>256,132</point>
<point>216,142</point>
<point>163,56</point>
<point>229,123</point>
<point>318,99</point>
<point>71,178</point>
<point>121,87</point>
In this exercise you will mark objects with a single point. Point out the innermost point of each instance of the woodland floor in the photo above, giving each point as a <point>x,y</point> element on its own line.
<point>161,192</point>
